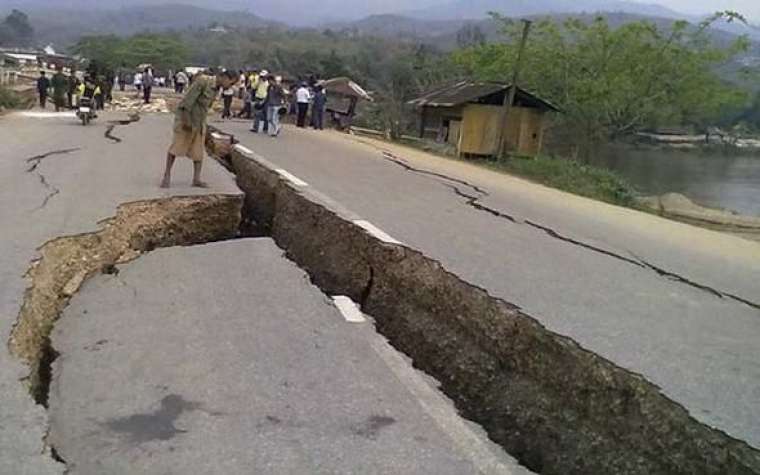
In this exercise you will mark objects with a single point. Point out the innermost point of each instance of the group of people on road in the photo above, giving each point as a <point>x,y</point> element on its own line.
<point>310,96</point>
<point>67,88</point>
<point>266,100</point>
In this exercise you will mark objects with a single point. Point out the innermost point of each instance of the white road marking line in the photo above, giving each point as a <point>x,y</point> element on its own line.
<point>291,178</point>
<point>244,150</point>
<point>475,447</point>
<point>47,115</point>
<point>377,232</point>
<point>349,309</point>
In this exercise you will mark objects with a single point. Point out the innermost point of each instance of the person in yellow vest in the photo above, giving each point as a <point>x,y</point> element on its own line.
<point>87,89</point>
<point>260,90</point>
<point>262,85</point>
<point>253,79</point>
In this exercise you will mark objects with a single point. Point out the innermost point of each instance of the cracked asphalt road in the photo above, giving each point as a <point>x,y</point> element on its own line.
<point>192,374</point>
<point>237,364</point>
<point>675,303</point>
<point>60,178</point>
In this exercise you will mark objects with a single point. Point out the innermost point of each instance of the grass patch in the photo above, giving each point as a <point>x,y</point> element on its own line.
<point>9,99</point>
<point>564,174</point>
<point>571,176</point>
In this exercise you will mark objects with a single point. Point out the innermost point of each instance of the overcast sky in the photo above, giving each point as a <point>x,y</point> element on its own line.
<point>299,10</point>
<point>751,8</point>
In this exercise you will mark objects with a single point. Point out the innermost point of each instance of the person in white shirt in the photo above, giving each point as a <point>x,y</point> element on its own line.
<point>180,81</point>
<point>138,82</point>
<point>227,95</point>
<point>303,96</point>
<point>241,85</point>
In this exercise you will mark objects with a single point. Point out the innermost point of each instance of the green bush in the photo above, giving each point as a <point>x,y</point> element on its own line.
<point>9,99</point>
<point>574,177</point>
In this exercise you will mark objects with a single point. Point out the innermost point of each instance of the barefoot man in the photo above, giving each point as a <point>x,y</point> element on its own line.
<point>190,123</point>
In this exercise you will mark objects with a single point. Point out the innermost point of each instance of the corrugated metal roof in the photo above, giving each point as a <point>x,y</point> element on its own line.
<point>462,92</point>
<point>345,86</point>
<point>458,93</point>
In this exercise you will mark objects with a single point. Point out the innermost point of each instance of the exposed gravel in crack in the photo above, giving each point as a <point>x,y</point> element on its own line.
<point>474,202</point>
<point>33,168</point>
<point>67,262</point>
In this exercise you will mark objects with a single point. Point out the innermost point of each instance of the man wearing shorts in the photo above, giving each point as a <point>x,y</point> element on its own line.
<point>190,123</point>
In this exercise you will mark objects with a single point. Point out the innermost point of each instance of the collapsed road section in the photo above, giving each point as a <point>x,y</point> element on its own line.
<point>227,360</point>
<point>66,262</point>
<point>557,407</point>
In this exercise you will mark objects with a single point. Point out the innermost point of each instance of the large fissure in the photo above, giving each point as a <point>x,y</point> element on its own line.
<point>557,407</point>
<point>474,201</point>
<point>65,263</point>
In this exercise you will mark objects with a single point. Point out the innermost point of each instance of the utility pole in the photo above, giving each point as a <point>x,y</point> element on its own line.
<point>509,99</point>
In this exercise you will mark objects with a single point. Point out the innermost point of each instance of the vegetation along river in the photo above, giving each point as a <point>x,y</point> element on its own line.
<point>710,178</point>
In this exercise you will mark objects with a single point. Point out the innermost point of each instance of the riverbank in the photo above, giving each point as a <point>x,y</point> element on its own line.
<point>602,183</point>
<point>713,178</point>
<point>680,208</point>
<point>586,180</point>
<point>715,141</point>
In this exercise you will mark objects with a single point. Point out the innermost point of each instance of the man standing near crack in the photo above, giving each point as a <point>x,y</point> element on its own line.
<point>190,123</point>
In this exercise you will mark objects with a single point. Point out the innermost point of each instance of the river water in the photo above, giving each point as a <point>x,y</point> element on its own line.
<point>708,178</point>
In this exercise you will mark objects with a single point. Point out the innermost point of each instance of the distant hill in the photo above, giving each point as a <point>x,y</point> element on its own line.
<point>444,32</point>
<point>64,26</point>
<point>478,9</point>
<point>391,26</point>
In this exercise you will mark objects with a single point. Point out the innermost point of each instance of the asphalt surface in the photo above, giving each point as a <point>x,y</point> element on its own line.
<point>66,193</point>
<point>224,359</point>
<point>675,303</point>
<point>219,358</point>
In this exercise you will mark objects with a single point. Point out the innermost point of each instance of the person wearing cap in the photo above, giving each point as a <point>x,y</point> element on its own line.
<point>261,89</point>
<point>275,101</point>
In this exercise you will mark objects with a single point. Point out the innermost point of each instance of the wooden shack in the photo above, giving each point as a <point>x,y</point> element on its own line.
<point>343,95</point>
<point>468,115</point>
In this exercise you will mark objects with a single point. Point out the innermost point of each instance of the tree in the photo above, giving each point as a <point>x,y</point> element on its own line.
<point>611,82</point>
<point>470,35</point>
<point>15,30</point>
<point>163,51</point>
<point>333,65</point>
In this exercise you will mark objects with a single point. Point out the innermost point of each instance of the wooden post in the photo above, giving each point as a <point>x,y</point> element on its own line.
<point>423,120</point>
<point>509,99</point>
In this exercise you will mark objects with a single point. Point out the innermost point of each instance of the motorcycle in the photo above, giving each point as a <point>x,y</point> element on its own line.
<point>86,109</point>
